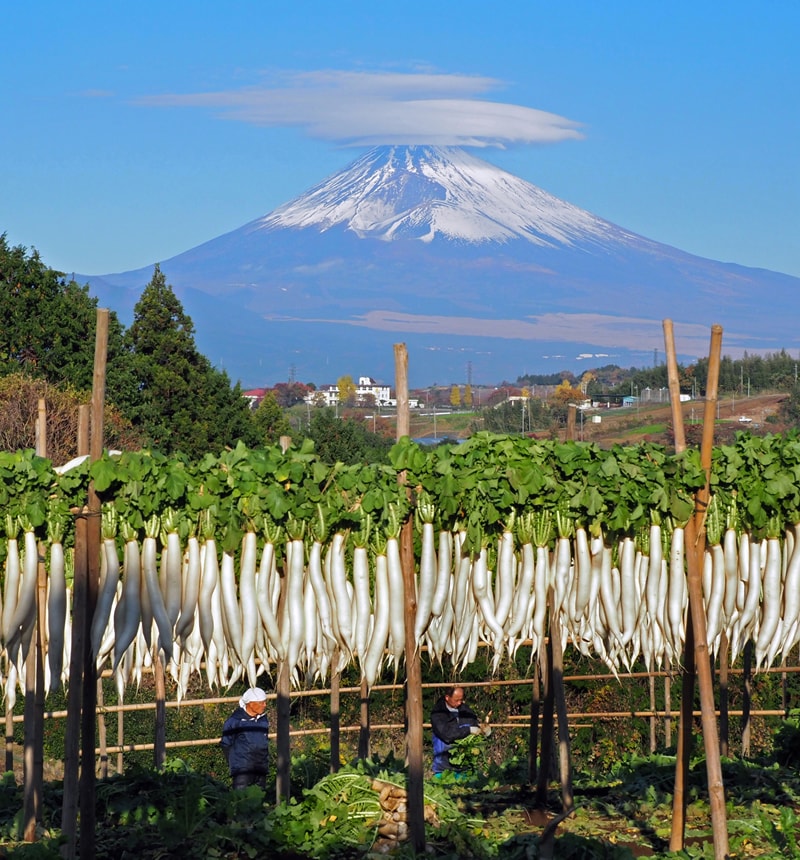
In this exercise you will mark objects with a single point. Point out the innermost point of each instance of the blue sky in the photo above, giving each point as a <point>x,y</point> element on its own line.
<point>133,132</point>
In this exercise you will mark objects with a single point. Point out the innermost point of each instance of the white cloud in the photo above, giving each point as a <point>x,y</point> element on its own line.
<point>363,108</point>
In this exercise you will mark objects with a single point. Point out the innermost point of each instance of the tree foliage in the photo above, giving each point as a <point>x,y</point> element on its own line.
<point>346,440</point>
<point>789,409</point>
<point>347,390</point>
<point>182,402</point>
<point>270,420</point>
<point>46,325</point>
<point>290,393</point>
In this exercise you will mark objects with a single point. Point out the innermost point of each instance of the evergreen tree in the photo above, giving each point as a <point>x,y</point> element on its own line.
<point>270,420</point>
<point>182,402</point>
<point>47,325</point>
<point>346,440</point>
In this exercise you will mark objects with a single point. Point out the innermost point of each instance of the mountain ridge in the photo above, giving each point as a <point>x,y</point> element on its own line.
<point>477,270</point>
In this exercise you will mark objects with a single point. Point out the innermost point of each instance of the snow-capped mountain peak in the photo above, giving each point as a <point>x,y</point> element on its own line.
<point>423,192</point>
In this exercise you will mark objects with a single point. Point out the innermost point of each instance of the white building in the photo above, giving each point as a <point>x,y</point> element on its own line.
<point>368,391</point>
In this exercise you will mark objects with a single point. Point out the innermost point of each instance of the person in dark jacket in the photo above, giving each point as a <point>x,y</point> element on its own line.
<point>451,720</point>
<point>245,740</point>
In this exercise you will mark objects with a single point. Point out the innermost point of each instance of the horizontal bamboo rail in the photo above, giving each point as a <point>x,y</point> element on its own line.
<point>516,682</point>
<point>514,722</point>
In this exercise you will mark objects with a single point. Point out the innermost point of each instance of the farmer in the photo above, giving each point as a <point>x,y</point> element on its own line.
<point>451,720</point>
<point>245,740</point>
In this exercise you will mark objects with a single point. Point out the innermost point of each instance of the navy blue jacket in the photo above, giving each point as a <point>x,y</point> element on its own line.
<point>245,742</point>
<point>448,726</point>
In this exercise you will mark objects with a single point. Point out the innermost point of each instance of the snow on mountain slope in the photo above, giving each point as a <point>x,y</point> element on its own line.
<point>462,261</point>
<point>422,192</point>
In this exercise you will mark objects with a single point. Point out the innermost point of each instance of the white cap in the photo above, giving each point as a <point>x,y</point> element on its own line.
<point>254,694</point>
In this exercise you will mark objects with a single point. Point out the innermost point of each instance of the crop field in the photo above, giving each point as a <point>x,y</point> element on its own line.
<point>619,814</point>
<point>497,555</point>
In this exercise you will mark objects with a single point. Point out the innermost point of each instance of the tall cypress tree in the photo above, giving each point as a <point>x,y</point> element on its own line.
<point>183,403</point>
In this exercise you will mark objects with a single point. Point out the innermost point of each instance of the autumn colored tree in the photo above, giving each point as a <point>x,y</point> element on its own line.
<point>455,397</point>
<point>565,393</point>
<point>347,390</point>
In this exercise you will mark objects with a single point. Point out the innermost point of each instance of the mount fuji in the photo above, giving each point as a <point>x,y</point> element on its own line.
<point>482,275</point>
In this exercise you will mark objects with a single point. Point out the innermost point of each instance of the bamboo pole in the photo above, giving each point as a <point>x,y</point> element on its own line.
<point>651,683</point>
<point>41,641</point>
<point>160,723</point>
<point>684,745</point>
<point>413,695</point>
<point>93,544</point>
<point>9,757</point>
<point>674,383</point>
<point>667,705</point>
<point>724,667</point>
<point>33,754</point>
<point>695,547</point>
<point>283,702</point>
<point>120,739</point>
<point>102,731</point>
<point>546,753</point>
<point>747,698</point>
<point>335,721</point>
<point>564,756</point>
<point>72,730</point>
<point>533,729</point>
<point>363,735</point>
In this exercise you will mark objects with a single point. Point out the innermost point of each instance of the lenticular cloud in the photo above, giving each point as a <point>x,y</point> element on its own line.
<point>359,108</point>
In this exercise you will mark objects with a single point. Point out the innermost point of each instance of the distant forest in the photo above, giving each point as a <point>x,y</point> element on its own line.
<point>750,374</point>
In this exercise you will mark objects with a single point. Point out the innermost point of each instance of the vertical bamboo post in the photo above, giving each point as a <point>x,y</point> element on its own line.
<point>41,639</point>
<point>283,704</point>
<point>120,739</point>
<point>413,687</point>
<point>102,733</point>
<point>668,704</point>
<point>335,722</point>
<point>564,755</point>
<point>724,659</point>
<point>684,744</point>
<point>674,383</point>
<point>72,728</point>
<point>571,413</point>
<point>363,733</point>
<point>160,723</point>
<point>533,733</point>
<point>33,755</point>
<point>747,697</point>
<point>653,719</point>
<point>9,757</point>
<point>93,544</point>
<point>695,545</point>
<point>546,754</point>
